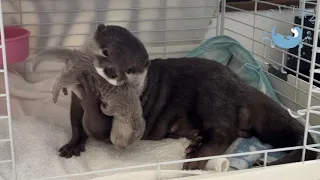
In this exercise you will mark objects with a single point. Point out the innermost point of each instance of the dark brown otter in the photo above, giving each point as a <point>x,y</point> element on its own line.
<point>211,95</point>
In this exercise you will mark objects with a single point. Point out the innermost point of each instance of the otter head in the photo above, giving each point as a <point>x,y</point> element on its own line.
<point>121,57</point>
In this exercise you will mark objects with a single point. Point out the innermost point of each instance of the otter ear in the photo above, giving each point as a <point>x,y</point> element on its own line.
<point>100,27</point>
<point>147,64</point>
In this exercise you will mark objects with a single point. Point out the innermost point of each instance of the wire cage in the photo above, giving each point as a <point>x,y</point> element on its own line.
<point>172,28</point>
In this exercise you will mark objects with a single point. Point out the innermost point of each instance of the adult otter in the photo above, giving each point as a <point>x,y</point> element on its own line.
<point>211,95</point>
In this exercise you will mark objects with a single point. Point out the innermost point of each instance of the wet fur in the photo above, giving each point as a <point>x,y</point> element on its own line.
<point>212,96</point>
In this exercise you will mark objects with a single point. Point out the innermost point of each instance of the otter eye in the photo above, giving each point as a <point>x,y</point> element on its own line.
<point>131,70</point>
<point>105,52</point>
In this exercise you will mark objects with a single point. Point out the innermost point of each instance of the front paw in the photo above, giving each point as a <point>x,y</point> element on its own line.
<point>194,150</point>
<point>90,96</point>
<point>72,148</point>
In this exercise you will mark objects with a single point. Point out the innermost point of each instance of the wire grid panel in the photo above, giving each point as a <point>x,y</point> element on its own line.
<point>6,95</point>
<point>253,30</point>
<point>295,89</point>
<point>160,24</point>
<point>167,28</point>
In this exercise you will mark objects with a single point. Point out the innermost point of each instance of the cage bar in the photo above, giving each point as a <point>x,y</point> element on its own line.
<point>4,57</point>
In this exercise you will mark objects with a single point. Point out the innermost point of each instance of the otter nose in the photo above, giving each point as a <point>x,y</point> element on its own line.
<point>111,73</point>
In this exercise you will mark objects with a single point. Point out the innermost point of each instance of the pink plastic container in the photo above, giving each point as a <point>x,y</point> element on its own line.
<point>17,44</point>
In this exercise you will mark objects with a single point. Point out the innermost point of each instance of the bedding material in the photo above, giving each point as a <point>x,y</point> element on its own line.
<point>41,127</point>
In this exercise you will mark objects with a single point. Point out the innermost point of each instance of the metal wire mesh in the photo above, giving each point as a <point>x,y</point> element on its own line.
<point>277,57</point>
<point>170,29</point>
<point>158,24</point>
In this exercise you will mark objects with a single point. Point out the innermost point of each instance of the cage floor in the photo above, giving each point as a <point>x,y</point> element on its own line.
<point>41,127</point>
<point>294,171</point>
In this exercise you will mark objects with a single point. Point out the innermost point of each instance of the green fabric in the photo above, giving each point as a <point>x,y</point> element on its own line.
<point>231,53</point>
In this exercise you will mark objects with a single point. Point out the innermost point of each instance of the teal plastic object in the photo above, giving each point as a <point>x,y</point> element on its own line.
<point>231,53</point>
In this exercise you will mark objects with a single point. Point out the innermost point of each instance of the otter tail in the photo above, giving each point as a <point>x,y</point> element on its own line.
<point>53,54</point>
<point>296,155</point>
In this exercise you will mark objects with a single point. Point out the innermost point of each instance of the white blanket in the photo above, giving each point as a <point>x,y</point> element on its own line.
<point>40,128</point>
